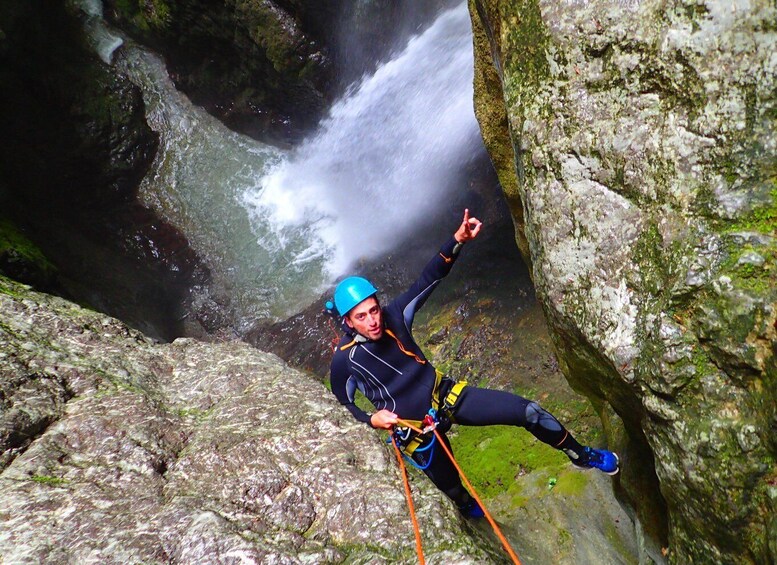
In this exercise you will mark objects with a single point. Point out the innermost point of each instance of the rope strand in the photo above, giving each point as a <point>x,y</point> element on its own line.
<point>491,521</point>
<point>409,497</point>
<point>336,337</point>
<point>474,494</point>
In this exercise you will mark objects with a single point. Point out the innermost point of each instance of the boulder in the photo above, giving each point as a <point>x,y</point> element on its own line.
<point>635,142</point>
<point>249,62</point>
<point>116,449</point>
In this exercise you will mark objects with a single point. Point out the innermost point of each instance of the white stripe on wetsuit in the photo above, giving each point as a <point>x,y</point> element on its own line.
<point>374,378</point>
<point>408,319</point>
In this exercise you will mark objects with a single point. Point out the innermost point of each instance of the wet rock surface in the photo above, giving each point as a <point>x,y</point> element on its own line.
<point>270,69</point>
<point>116,449</point>
<point>74,148</point>
<point>636,144</point>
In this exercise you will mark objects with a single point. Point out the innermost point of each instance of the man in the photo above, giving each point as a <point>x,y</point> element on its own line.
<point>378,356</point>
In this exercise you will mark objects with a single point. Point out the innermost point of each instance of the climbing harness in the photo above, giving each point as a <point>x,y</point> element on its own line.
<point>430,424</point>
<point>444,400</point>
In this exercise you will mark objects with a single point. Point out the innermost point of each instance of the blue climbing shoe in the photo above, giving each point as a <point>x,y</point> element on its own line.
<point>605,461</point>
<point>472,509</point>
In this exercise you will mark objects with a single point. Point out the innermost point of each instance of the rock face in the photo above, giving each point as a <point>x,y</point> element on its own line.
<point>636,144</point>
<point>249,62</point>
<point>269,68</point>
<point>75,145</point>
<point>118,450</point>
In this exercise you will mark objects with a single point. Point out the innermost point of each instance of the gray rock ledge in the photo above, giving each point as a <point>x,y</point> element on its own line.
<point>116,449</point>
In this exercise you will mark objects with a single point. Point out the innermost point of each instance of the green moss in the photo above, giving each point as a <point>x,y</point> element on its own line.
<point>12,289</point>
<point>48,480</point>
<point>268,30</point>
<point>493,456</point>
<point>617,541</point>
<point>702,363</point>
<point>15,243</point>
<point>564,538</point>
<point>753,278</point>
<point>524,51</point>
<point>762,219</point>
<point>146,15</point>
<point>195,413</point>
<point>649,255</point>
<point>756,279</point>
<point>132,384</point>
<point>571,483</point>
<point>367,553</point>
<point>518,500</point>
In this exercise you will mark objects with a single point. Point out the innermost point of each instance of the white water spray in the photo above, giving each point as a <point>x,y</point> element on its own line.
<point>275,228</point>
<point>385,158</point>
<point>102,40</point>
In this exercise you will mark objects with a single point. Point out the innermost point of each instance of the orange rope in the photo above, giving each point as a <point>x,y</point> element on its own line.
<point>336,337</point>
<point>491,521</point>
<point>405,351</point>
<point>418,547</point>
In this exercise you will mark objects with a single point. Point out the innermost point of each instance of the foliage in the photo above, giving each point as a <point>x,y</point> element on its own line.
<point>145,14</point>
<point>15,247</point>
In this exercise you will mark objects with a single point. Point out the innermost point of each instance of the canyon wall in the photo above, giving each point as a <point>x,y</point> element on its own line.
<point>636,145</point>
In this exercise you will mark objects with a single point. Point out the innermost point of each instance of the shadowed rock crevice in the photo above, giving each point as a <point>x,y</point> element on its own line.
<point>30,404</point>
<point>75,147</point>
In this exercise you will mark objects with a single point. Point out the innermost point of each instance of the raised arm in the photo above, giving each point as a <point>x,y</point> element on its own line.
<point>410,301</point>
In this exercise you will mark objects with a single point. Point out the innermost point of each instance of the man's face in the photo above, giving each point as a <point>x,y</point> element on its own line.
<point>366,318</point>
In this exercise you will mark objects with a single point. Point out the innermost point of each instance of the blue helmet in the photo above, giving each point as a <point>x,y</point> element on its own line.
<point>350,292</point>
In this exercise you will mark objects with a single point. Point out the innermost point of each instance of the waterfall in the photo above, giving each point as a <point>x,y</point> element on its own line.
<point>277,227</point>
<point>102,40</point>
<point>384,159</point>
<point>197,181</point>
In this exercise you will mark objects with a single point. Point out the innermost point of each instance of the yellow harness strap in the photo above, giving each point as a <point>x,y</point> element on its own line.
<point>448,402</point>
<point>413,444</point>
<point>453,395</point>
<point>436,390</point>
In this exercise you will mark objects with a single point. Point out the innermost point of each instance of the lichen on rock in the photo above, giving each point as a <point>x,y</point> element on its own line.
<point>643,142</point>
<point>117,449</point>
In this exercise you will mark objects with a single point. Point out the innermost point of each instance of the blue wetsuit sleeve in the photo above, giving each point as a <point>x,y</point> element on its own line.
<point>344,388</point>
<point>410,301</point>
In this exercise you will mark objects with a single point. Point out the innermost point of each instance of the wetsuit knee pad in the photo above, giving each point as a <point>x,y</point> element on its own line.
<point>537,416</point>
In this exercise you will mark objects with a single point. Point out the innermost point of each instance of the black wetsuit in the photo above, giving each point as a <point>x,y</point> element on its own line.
<point>393,373</point>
